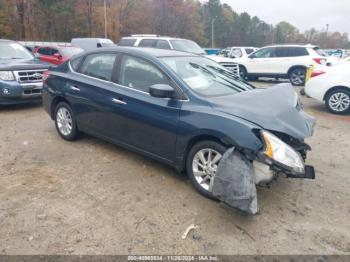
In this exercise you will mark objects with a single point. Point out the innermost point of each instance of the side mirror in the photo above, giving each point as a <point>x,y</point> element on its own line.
<point>162,91</point>
<point>37,55</point>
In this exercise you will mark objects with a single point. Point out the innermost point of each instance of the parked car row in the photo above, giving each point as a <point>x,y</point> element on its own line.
<point>179,44</point>
<point>173,103</point>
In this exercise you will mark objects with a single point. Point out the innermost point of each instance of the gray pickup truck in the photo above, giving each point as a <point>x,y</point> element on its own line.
<point>21,74</point>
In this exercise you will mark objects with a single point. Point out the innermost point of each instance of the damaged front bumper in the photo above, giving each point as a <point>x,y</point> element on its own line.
<point>265,174</point>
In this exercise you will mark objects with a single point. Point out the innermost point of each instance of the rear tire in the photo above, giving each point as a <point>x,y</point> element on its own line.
<point>65,122</point>
<point>297,76</point>
<point>338,101</point>
<point>201,164</point>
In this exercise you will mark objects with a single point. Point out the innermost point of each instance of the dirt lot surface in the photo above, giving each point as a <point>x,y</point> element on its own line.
<point>91,197</point>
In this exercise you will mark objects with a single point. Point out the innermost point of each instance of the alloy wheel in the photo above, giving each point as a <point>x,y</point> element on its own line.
<point>204,166</point>
<point>64,121</point>
<point>297,77</point>
<point>339,102</point>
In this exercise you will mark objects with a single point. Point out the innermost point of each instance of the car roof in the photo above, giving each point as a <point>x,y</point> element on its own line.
<point>7,41</point>
<point>242,47</point>
<point>293,45</point>
<point>58,46</point>
<point>144,51</point>
<point>153,37</point>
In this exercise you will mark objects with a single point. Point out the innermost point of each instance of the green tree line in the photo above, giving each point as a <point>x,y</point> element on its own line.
<point>61,20</point>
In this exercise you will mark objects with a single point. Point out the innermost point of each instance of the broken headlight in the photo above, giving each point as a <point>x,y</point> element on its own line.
<point>280,152</point>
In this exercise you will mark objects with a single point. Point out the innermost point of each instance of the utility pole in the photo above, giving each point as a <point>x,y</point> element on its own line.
<point>212,32</point>
<point>327,29</point>
<point>105,15</point>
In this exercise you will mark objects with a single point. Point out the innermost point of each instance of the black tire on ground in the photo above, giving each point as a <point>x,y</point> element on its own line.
<point>297,76</point>
<point>189,163</point>
<point>243,72</point>
<point>343,96</point>
<point>73,132</point>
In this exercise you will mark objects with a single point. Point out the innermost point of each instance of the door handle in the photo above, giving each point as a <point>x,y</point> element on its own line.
<point>74,88</point>
<point>118,101</point>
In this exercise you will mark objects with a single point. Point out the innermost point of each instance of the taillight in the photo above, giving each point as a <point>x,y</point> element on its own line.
<point>317,73</point>
<point>320,61</point>
<point>46,76</point>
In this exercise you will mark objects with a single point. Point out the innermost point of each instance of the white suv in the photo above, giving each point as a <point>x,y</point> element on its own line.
<point>180,44</point>
<point>282,61</point>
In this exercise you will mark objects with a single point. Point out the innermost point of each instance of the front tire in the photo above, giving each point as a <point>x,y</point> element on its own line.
<point>201,165</point>
<point>297,76</point>
<point>243,72</point>
<point>65,122</point>
<point>338,101</point>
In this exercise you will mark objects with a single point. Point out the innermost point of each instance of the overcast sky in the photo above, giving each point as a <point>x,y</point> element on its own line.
<point>303,14</point>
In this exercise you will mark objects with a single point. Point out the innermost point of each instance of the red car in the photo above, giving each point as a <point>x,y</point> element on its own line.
<point>56,54</point>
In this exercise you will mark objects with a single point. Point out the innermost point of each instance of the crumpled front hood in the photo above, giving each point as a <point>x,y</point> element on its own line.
<point>22,64</point>
<point>273,109</point>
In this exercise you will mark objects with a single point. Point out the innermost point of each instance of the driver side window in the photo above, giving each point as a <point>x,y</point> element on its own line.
<point>139,74</point>
<point>264,53</point>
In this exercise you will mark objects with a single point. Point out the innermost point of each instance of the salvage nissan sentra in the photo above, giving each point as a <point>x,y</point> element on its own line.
<point>181,109</point>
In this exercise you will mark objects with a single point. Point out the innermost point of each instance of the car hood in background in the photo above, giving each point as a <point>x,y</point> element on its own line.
<point>22,64</point>
<point>273,109</point>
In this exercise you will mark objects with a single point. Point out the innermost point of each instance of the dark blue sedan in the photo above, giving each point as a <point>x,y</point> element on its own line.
<point>182,109</point>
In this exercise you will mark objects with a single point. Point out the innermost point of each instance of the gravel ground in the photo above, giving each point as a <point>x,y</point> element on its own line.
<point>91,197</point>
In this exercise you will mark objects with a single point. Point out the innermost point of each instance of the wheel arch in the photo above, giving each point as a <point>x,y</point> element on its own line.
<point>245,68</point>
<point>295,67</point>
<point>55,102</point>
<point>335,88</point>
<point>224,141</point>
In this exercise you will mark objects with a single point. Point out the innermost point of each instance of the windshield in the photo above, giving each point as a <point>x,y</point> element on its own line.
<point>187,46</point>
<point>206,77</point>
<point>9,50</point>
<point>70,51</point>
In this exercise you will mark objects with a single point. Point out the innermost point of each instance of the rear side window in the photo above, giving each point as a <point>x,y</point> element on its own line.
<point>291,51</point>
<point>127,42</point>
<point>139,74</point>
<point>162,44</point>
<point>99,66</point>
<point>148,42</point>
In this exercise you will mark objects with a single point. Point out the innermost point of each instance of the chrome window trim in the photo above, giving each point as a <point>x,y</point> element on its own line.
<point>117,85</point>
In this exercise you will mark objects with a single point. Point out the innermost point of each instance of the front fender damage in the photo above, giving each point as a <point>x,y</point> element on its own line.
<point>234,182</point>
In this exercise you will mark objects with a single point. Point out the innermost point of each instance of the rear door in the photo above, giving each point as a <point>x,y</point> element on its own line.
<point>90,91</point>
<point>147,43</point>
<point>287,57</point>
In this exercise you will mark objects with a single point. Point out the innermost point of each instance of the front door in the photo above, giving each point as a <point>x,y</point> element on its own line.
<point>260,61</point>
<point>146,123</point>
